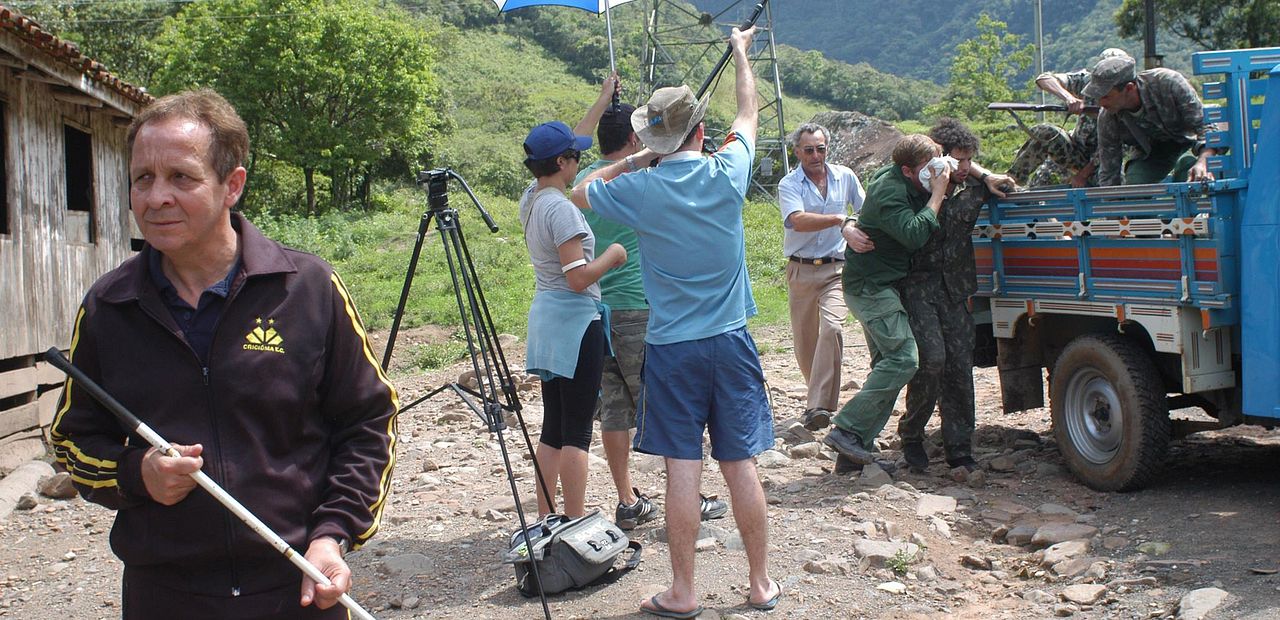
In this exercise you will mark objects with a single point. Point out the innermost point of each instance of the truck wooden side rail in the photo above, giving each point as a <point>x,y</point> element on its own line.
<point>1142,298</point>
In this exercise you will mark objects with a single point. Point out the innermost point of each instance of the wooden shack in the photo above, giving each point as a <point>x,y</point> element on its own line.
<point>64,215</point>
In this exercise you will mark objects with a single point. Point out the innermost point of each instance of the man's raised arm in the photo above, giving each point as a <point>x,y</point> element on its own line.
<point>745,88</point>
<point>630,164</point>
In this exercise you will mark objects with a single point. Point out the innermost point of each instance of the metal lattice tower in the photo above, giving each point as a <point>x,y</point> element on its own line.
<point>682,46</point>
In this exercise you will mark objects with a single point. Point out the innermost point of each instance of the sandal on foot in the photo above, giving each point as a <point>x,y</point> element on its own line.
<point>770,604</point>
<point>657,609</point>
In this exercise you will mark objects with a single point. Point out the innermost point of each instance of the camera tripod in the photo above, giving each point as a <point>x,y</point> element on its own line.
<point>494,391</point>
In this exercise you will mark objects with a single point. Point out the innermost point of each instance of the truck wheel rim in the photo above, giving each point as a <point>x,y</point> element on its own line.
<point>1093,418</point>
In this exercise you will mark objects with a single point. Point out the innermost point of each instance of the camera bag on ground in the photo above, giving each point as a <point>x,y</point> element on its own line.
<point>571,553</point>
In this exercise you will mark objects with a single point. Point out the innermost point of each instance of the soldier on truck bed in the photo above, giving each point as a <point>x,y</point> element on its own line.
<point>1155,112</point>
<point>1075,150</point>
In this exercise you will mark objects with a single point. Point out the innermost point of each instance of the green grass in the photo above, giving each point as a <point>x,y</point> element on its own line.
<point>371,252</point>
<point>499,85</point>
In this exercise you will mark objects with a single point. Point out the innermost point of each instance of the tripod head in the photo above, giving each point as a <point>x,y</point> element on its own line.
<point>436,182</point>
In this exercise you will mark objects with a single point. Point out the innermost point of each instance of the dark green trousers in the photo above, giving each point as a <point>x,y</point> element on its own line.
<point>1165,157</point>
<point>893,362</point>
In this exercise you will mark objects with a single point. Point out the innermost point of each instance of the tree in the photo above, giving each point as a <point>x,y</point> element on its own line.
<point>327,86</point>
<point>983,70</point>
<point>119,34</point>
<point>1214,24</point>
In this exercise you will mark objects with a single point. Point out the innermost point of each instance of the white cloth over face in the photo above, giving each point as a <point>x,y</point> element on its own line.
<point>945,164</point>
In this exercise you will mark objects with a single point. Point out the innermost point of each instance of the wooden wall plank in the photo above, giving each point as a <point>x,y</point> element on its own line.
<point>48,406</point>
<point>20,418</point>
<point>48,374</point>
<point>17,381</point>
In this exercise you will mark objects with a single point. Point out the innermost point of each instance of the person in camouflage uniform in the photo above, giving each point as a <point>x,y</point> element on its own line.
<point>1075,150</point>
<point>935,293</point>
<point>1157,114</point>
<point>899,217</point>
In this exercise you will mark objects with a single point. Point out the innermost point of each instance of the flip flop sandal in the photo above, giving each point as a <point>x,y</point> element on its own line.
<point>658,610</point>
<point>770,604</point>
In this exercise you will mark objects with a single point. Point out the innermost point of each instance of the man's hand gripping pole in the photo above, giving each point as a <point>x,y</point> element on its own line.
<point>55,357</point>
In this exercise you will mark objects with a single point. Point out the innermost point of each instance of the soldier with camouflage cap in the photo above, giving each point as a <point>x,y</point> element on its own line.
<point>1157,114</point>
<point>1075,150</point>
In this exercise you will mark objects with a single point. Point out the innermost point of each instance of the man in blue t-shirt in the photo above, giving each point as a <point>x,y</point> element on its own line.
<point>702,372</point>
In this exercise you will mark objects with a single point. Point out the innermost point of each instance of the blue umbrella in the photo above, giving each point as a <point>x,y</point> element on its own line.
<point>594,6</point>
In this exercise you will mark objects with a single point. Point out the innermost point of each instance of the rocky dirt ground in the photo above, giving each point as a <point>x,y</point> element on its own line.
<point>1020,539</point>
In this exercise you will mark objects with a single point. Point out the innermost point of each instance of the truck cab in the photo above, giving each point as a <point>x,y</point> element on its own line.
<point>1140,299</point>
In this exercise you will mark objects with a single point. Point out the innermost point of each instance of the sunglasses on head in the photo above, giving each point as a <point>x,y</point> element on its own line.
<point>809,150</point>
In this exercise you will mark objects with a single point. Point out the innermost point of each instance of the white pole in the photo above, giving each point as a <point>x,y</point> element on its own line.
<point>608,27</point>
<point>1040,53</point>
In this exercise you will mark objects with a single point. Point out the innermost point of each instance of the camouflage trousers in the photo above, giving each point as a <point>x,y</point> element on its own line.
<point>620,382</point>
<point>1049,142</point>
<point>944,339</point>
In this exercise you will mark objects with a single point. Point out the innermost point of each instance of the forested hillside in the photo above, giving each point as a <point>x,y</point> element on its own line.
<point>347,99</point>
<point>916,38</point>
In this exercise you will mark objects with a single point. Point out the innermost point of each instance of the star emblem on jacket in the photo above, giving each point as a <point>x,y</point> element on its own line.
<point>262,338</point>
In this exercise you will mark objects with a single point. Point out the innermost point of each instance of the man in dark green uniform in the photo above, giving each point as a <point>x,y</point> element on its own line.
<point>935,293</point>
<point>899,215</point>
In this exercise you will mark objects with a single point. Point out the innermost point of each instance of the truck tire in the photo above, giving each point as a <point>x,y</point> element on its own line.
<point>1110,416</point>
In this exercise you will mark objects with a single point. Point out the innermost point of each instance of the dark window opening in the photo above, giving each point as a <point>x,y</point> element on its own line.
<point>78,147</point>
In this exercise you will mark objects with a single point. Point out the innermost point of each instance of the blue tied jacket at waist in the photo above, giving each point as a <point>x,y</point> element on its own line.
<point>557,321</point>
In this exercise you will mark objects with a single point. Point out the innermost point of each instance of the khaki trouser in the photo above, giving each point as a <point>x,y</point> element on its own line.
<point>817,328</point>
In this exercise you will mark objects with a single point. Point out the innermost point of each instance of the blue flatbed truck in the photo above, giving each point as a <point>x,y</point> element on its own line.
<point>1145,298</point>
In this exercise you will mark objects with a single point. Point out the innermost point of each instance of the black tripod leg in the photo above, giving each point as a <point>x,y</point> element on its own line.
<point>481,347</point>
<point>423,224</point>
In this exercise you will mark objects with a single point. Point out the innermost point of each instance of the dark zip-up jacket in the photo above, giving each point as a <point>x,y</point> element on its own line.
<point>296,418</point>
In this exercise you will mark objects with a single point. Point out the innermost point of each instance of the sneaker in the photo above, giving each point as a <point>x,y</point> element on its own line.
<point>848,444</point>
<point>816,419</point>
<point>713,508</point>
<point>627,517</point>
<point>915,456</point>
<point>966,462</point>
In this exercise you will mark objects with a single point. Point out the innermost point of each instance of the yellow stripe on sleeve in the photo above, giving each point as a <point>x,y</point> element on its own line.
<point>384,484</point>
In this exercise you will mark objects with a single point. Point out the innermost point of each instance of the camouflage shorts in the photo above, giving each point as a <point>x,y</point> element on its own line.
<point>620,383</point>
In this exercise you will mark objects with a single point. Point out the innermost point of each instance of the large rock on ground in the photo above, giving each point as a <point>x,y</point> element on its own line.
<point>20,482</point>
<point>1064,551</point>
<point>929,505</point>
<point>861,142</point>
<point>879,552</point>
<point>1198,603</point>
<point>57,486</point>
<point>1084,593</point>
<point>1054,533</point>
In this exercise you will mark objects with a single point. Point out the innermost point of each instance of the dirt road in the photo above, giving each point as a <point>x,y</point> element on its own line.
<point>1211,524</point>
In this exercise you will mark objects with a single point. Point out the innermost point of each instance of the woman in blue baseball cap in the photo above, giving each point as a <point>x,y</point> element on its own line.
<point>567,341</point>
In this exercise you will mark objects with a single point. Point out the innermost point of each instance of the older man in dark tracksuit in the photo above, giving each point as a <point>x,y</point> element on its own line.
<point>251,358</point>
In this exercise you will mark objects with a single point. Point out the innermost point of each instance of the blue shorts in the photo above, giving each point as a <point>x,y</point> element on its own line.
<point>715,384</point>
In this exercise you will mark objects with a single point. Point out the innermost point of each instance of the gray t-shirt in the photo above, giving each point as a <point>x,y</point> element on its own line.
<point>549,219</point>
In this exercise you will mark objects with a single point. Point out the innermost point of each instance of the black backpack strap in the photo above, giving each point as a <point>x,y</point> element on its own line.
<point>616,572</point>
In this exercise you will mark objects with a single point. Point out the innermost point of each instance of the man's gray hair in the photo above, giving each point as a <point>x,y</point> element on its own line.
<point>807,128</point>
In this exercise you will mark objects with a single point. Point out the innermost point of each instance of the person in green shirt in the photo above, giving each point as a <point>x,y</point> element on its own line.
<point>899,215</point>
